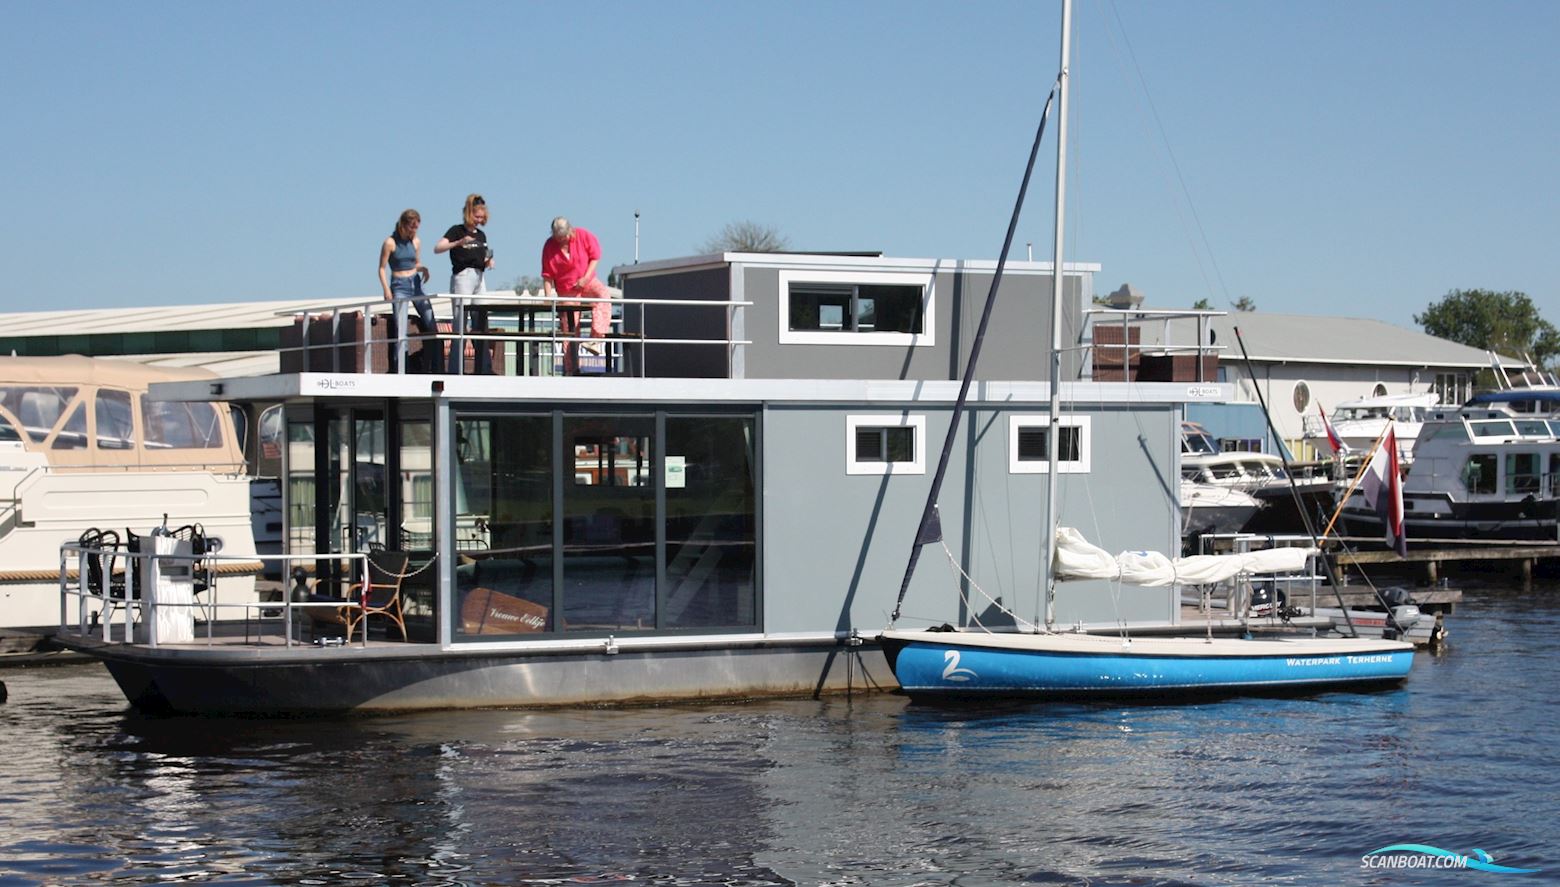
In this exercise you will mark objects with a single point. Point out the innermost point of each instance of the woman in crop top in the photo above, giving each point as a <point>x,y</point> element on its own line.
<point>399,254</point>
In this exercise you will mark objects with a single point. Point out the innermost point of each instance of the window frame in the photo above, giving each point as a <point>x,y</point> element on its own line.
<point>1081,465</point>
<point>926,280</point>
<point>915,422</point>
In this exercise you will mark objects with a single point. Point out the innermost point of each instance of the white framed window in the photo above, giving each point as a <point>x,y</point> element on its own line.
<point>1028,445</point>
<point>857,308</point>
<point>886,444</point>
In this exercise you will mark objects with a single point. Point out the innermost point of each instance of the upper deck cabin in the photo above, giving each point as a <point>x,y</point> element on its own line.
<point>812,316</point>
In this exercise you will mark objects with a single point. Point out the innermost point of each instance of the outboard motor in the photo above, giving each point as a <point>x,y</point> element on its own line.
<point>1396,596</point>
<point>1267,599</point>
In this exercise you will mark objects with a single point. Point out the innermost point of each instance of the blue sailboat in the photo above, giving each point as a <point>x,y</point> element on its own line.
<point>976,663</point>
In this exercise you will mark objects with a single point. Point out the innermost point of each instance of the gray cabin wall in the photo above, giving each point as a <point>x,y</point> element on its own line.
<point>1016,344</point>
<point>678,322</point>
<point>1017,337</point>
<point>835,544</point>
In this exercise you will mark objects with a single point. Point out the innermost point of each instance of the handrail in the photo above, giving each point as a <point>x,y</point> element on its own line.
<point>142,596</point>
<point>459,304</point>
<point>1133,318</point>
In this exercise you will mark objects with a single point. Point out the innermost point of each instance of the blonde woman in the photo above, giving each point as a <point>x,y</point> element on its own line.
<point>470,258</point>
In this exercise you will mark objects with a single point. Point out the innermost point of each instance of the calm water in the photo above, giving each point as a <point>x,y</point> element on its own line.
<point>865,791</point>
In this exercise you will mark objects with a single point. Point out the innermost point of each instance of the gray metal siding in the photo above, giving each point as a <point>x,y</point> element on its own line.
<point>835,545</point>
<point>678,322</point>
<point>1016,341</point>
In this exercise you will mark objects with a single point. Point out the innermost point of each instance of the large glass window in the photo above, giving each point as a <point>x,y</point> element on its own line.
<point>710,535</point>
<point>505,578</point>
<point>586,527</point>
<point>609,524</point>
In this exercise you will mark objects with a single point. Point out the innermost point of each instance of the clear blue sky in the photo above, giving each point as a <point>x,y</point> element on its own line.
<point>1351,158</point>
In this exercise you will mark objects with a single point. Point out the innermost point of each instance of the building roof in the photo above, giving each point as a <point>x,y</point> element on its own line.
<point>210,316</point>
<point>1305,338</point>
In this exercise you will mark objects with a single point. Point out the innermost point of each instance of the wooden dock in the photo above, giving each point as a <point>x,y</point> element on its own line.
<point>1523,555</point>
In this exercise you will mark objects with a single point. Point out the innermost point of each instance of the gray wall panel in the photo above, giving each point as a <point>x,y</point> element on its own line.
<point>830,537</point>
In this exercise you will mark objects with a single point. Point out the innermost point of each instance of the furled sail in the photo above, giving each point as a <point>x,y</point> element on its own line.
<point>1076,558</point>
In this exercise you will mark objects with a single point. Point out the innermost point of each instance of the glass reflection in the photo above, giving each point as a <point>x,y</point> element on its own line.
<point>710,535</point>
<point>504,526</point>
<point>609,524</point>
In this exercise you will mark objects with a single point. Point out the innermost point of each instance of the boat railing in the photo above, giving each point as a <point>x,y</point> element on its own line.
<point>153,593</point>
<point>349,343</point>
<point>1238,594</point>
<point>1117,347</point>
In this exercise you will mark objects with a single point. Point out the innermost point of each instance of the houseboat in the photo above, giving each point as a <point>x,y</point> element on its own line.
<point>724,512</point>
<point>83,445</point>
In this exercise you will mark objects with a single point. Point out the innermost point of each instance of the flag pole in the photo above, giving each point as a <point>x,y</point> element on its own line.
<point>1364,467</point>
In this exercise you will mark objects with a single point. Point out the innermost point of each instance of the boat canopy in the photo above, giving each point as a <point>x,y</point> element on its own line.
<point>1077,558</point>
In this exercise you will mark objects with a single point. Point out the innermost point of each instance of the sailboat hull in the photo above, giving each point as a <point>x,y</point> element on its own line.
<point>969,664</point>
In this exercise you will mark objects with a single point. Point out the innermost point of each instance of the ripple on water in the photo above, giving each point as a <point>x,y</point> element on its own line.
<point>870,790</point>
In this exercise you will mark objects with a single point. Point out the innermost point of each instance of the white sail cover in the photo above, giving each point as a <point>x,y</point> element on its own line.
<point>1076,558</point>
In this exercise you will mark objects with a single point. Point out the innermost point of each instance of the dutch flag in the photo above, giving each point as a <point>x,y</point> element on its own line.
<point>1384,490</point>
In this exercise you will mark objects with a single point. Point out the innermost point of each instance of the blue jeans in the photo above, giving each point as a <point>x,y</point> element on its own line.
<point>419,312</point>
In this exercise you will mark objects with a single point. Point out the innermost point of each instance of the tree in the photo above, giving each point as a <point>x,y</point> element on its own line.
<point>527,284</point>
<point>1244,303</point>
<point>1202,305</point>
<point>1507,323</point>
<point>745,237</point>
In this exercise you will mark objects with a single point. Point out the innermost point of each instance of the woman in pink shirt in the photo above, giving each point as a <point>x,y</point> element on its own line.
<point>569,259</point>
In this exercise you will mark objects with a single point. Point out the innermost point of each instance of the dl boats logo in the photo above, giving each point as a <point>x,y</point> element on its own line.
<point>1423,856</point>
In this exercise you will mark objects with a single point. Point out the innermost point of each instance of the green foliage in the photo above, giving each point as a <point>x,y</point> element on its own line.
<point>527,283</point>
<point>1244,303</point>
<point>1507,323</point>
<point>745,237</point>
<point>1202,305</point>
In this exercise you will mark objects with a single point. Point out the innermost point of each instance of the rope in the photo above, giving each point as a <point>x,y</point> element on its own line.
<point>1017,619</point>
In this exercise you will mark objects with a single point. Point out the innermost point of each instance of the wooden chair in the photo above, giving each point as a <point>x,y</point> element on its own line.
<point>378,595</point>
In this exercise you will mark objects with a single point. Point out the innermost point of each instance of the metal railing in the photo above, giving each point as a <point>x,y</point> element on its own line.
<point>1240,589</point>
<point>537,319</point>
<point>154,592</point>
<point>1128,320</point>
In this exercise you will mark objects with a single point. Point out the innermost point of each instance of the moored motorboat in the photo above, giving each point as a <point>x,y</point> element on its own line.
<point>1477,474</point>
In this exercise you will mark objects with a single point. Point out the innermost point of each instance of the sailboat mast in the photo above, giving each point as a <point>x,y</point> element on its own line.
<point>1054,437</point>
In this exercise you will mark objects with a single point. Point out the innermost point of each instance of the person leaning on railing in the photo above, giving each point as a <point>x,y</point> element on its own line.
<point>401,254</point>
<point>569,260</point>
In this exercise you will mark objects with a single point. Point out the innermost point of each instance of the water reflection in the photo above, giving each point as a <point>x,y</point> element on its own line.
<point>870,790</point>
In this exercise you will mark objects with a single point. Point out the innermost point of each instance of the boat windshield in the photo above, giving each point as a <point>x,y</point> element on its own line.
<point>1195,440</point>
<point>1355,414</point>
<point>1496,428</point>
<point>1532,428</point>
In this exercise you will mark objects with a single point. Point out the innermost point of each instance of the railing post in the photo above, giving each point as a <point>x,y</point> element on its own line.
<point>367,340</point>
